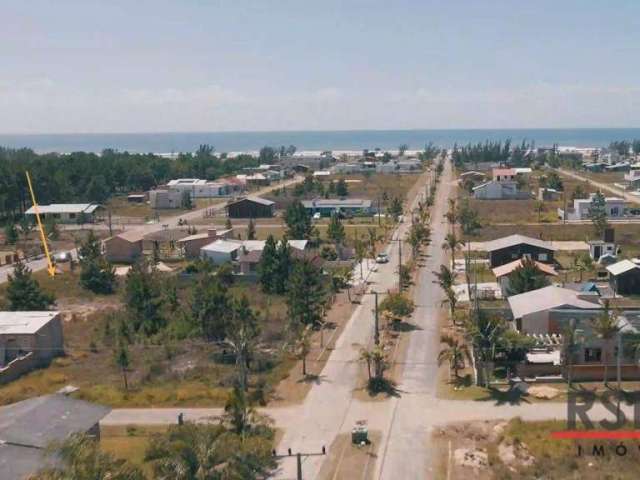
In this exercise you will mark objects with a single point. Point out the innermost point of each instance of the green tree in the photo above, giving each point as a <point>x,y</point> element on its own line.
<point>123,362</point>
<point>51,228</point>
<point>79,457</point>
<point>306,294</point>
<point>455,353</point>
<point>398,304</point>
<point>298,220</point>
<point>144,299</point>
<point>24,292</point>
<point>251,230</point>
<point>97,274</point>
<point>335,230</point>
<point>268,266</point>
<point>606,327</point>
<point>394,210</point>
<point>452,244</point>
<point>10,234</point>
<point>285,265</point>
<point>468,218</point>
<point>598,213</point>
<point>402,149</point>
<point>97,190</point>
<point>526,277</point>
<point>341,188</point>
<point>582,263</point>
<point>538,205</point>
<point>242,334</point>
<point>210,307</point>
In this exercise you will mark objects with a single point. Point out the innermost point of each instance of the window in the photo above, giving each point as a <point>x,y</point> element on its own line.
<point>592,354</point>
<point>72,215</point>
<point>614,212</point>
<point>56,215</point>
<point>543,257</point>
<point>526,256</point>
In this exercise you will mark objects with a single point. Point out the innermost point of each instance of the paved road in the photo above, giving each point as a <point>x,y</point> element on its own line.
<point>172,222</point>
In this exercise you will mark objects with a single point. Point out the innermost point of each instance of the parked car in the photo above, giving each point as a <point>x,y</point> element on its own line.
<point>62,257</point>
<point>382,258</point>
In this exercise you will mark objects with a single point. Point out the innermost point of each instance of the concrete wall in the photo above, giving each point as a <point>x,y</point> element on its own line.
<point>537,322</point>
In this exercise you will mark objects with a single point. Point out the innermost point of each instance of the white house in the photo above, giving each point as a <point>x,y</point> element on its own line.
<point>503,186</point>
<point>614,208</point>
<point>221,251</point>
<point>68,212</point>
<point>198,188</point>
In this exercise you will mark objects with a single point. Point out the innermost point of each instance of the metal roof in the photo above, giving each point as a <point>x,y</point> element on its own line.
<point>621,267</point>
<point>65,208</point>
<point>225,246</point>
<point>545,299</point>
<point>516,239</point>
<point>337,203</point>
<point>508,268</point>
<point>262,201</point>
<point>24,323</point>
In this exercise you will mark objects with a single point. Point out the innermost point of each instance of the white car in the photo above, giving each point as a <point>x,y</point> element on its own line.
<point>382,258</point>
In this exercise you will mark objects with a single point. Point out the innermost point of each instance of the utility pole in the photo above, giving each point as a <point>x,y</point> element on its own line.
<point>399,264</point>
<point>109,220</point>
<point>299,456</point>
<point>376,333</point>
<point>379,213</point>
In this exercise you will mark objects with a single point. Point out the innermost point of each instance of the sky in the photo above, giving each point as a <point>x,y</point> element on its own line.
<point>72,66</point>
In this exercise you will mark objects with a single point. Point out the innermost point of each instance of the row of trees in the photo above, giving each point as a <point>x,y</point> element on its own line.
<point>494,152</point>
<point>90,177</point>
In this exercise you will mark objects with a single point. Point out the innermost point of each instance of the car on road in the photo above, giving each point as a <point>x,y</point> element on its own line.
<point>382,258</point>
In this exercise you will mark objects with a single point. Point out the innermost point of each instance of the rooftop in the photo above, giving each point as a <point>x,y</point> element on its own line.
<point>28,427</point>
<point>504,172</point>
<point>516,239</point>
<point>328,203</point>
<point>65,208</point>
<point>545,299</point>
<point>22,323</point>
<point>508,268</point>
<point>621,267</point>
<point>260,200</point>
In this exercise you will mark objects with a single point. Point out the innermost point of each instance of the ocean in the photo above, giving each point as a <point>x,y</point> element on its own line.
<point>310,140</point>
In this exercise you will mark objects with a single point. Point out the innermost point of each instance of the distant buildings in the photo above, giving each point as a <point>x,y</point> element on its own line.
<point>349,206</point>
<point>28,340</point>
<point>503,186</point>
<point>68,212</point>
<point>198,188</point>
<point>614,208</point>
<point>514,247</point>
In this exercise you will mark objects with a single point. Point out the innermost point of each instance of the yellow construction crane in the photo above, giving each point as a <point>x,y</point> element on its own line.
<point>50,267</point>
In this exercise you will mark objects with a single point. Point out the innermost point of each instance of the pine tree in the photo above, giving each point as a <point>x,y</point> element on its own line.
<point>526,278</point>
<point>298,220</point>
<point>284,266</point>
<point>122,360</point>
<point>305,295</point>
<point>143,296</point>
<point>24,292</point>
<point>598,213</point>
<point>341,188</point>
<point>251,230</point>
<point>210,307</point>
<point>97,274</point>
<point>10,234</point>
<point>268,266</point>
<point>335,231</point>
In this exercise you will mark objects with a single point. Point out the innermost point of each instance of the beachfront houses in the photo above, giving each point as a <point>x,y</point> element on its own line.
<point>68,212</point>
<point>613,206</point>
<point>349,207</point>
<point>28,340</point>
<point>198,188</point>
<point>513,247</point>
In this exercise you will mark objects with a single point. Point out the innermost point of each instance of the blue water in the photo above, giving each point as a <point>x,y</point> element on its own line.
<point>311,140</point>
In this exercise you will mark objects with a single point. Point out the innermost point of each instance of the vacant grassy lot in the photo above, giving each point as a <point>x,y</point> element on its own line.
<point>536,456</point>
<point>164,371</point>
<point>603,177</point>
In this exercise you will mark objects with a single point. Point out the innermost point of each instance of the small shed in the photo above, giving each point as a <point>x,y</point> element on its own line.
<point>125,247</point>
<point>624,277</point>
<point>28,340</point>
<point>251,207</point>
<point>221,251</point>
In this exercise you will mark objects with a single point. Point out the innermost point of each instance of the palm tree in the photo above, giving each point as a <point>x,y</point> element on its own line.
<point>455,353</point>
<point>452,300</point>
<point>605,325</point>
<point>452,244</point>
<point>366,356</point>
<point>452,214</point>
<point>569,342</point>
<point>446,277</point>
<point>242,335</point>
<point>484,333</point>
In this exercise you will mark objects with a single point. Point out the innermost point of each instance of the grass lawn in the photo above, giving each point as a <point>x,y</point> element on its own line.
<point>129,443</point>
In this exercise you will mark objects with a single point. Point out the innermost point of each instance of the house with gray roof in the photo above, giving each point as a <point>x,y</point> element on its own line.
<point>28,427</point>
<point>68,212</point>
<point>513,247</point>
<point>349,206</point>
